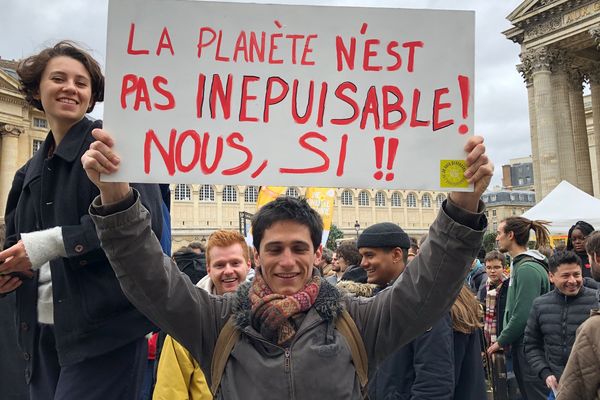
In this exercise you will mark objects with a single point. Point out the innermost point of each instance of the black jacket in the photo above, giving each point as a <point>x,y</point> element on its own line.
<point>91,314</point>
<point>355,273</point>
<point>191,264</point>
<point>551,327</point>
<point>469,376</point>
<point>586,267</point>
<point>422,369</point>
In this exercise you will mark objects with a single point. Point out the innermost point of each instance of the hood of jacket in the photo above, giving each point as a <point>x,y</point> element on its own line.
<point>532,253</point>
<point>536,255</point>
<point>207,284</point>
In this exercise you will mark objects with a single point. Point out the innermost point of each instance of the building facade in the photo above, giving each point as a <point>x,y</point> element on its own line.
<point>502,203</point>
<point>518,174</point>
<point>198,210</point>
<point>560,53</point>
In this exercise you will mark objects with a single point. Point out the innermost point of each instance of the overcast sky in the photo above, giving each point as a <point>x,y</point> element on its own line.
<point>501,114</point>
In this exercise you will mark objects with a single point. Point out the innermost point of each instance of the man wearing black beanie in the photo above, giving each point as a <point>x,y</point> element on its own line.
<point>384,250</point>
<point>423,368</point>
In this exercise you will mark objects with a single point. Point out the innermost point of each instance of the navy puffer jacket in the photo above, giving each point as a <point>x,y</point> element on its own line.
<point>551,327</point>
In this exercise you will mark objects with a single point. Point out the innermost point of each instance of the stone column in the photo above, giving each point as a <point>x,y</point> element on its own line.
<point>594,78</point>
<point>539,61</point>
<point>527,74</point>
<point>580,136</point>
<point>9,135</point>
<point>562,117</point>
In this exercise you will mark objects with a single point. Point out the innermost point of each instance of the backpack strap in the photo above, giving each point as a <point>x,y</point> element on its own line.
<point>347,327</point>
<point>228,337</point>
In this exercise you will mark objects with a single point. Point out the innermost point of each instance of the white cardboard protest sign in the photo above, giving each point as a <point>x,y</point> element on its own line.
<point>233,93</point>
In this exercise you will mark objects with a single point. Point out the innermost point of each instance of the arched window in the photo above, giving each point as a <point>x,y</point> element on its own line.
<point>229,194</point>
<point>379,199</point>
<point>292,192</point>
<point>251,194</point>
<point>411,200</point>
<point>439,200</point>
<point>183,192</point>
<point>346,198</point>
<point>207,193</point>
<point>363,198</point>
<point>426,201</point>
<point>396,199</point>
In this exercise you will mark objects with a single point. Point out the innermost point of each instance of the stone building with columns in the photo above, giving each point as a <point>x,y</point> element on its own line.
<point>198,210</point>
<point>560,53</point>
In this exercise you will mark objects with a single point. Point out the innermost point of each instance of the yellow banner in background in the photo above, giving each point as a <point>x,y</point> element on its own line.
<point>321,200</point>
<point>268,194</point>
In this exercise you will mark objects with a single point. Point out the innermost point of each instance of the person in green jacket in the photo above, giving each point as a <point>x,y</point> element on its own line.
<point>528,280</point>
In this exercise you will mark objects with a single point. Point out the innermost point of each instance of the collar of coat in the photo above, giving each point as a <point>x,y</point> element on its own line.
<point>68,149</point>
<point>328,303</point>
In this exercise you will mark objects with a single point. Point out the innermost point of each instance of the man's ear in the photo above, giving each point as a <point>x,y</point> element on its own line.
<point>551,277</point>
<point>397,254</point>
<point>318,253</point>
<point>256,257</point>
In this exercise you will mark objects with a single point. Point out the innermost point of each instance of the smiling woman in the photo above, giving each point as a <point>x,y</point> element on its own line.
<point>65,288</point>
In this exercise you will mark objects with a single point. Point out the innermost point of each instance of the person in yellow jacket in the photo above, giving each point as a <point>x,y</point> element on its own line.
<point>179,376</point>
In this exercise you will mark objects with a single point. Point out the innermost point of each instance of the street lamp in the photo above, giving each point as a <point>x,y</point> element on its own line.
<point>357,228</point>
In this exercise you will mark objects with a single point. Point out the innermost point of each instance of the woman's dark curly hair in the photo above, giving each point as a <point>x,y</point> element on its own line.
<point>584,227</point>
<point>31,69</point>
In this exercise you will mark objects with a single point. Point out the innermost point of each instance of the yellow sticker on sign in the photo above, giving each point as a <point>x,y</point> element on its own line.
<point>452,174</point>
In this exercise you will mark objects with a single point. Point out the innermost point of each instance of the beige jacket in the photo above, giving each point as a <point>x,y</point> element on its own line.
<point>581,378</point>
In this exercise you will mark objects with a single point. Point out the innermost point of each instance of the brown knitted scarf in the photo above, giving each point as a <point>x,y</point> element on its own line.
<point>277,316</point>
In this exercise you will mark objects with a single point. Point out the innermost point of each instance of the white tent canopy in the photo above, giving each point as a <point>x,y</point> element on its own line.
<point>564,206</point>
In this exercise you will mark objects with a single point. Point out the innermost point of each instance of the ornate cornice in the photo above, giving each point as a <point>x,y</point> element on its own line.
<point>546,2</point>
<point>562,15</point>
<point>543,28</point>
<point>11,130</point>
<point>12,100</point>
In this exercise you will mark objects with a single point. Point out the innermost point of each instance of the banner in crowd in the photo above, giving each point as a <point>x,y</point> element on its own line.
<point>321,199</point>
<point>234,93</point>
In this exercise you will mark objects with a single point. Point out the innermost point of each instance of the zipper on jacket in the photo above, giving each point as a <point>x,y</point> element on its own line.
<point>287,362</point>
<point>288,369</point>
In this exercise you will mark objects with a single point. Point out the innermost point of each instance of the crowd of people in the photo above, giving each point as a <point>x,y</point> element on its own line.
<point>103,311</point>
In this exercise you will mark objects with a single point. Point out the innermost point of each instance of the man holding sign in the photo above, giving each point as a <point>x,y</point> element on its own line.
<point>289,343</point>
